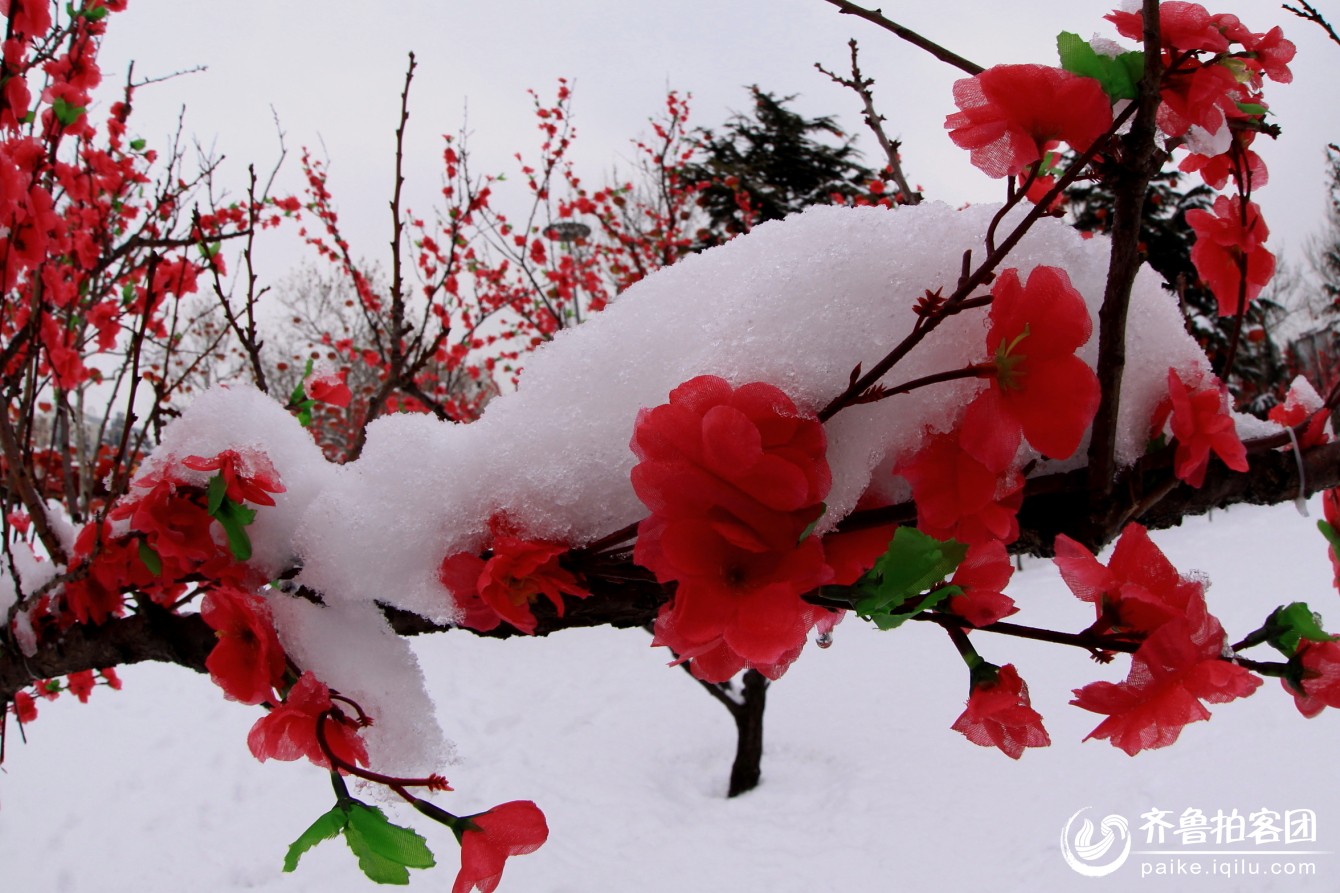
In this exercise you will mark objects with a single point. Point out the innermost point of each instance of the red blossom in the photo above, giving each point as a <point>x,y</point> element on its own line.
<point>81,684</point>
<point>288,732</point>
<point>1139,590</point>
<point>1182,26</point>
<point>490,838</point>
<point>982,575</point>
<point>330,389</point>
<point>247,662</point>
<point>1010,113</point>
<point>999,715</point>
<point>1040,391</point>
<point>733,478</point>
<point>503,587</point>
<point>1176,668</point>
<point>958,497</point>
<point>1320,677</point>
<point>249,474</point>
<point>1229,252</point>
<point>25,708</point>
<point>1201,423</point>
<point>1302,406</point>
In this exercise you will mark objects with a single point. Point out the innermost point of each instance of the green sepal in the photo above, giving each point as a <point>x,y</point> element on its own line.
<point>215,493</point>
<point>385,851</point>
<point>1290,624</point>
<point>234,518</point>
<point>910,566</point>
<point>1331,534</point>
<point>151,559</point>
<point>1119,75</point>
<point>324,828</point>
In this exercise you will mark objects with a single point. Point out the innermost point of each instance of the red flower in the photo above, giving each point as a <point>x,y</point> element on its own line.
<point>733,478</point>
<point>1139,590</point>
<point>1182,26</point>
<point>81,684</point>
<point>330,389</point>
<point>249,475</point>
<point>851,553</point>
<point>1302,404</point>
<point>1176,668</point>
<point>999,715</point>
<point>25,708</point>
<point>488,839</point>
<point>1201,424</point>
<point>1229,253</point>
<point>1040,390</point>
<point>1009,113</point>
<point>504,585</point>
<point>248,661</point>
<point>1320,662</point>
<point>982,576</point>
<point>288,732</point>
<point>958,497</point>
<point>1330,506</point>
<point>1271,54</point>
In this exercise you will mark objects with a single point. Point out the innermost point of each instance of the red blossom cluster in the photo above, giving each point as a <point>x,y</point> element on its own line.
<point>501,586</point>
<point>733,479</point>
<point>1179,663</point>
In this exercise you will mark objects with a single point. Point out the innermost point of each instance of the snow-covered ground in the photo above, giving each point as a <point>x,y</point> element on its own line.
<point>865,788</point>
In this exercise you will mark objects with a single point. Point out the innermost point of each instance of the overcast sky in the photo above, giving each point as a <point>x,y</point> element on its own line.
<point>332,70</point>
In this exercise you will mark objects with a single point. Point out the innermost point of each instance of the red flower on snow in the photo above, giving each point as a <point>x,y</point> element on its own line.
<point>733,478</point>
<point>25,708</point>
<point>1175,669</point>
<point>958,497</point>
<point>249,474</point>
<point>1201,424</point>
<point>248,661</point>
<point>1040,390</point>
<point>1229,253</point>
<point>982,576</point>
<point>503,586</point>
<point>490,838</point>
<point>1009,113</point>
<point>1320,663</point>
<point>1139,590</point>
<point>288,732</point>
<point>330,389</point>
<point>999,714</point>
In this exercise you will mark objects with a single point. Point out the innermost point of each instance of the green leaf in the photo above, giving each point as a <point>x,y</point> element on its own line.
<point>137,145</point>
<point>1291,624</point>
<point>910,566</point>
<point>215,494</point>
<point>1119,75</point>
<point>385,851</point>
<point>324,828</point>
<point>65,113</point>
<point>1252,108</point>
<point>151,559</point>
<point>234,519</point>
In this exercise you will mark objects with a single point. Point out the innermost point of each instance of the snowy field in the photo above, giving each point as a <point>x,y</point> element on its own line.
<point>865,788</point>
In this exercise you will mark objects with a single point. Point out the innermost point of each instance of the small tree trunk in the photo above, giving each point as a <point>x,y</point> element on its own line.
<point>748,715</point>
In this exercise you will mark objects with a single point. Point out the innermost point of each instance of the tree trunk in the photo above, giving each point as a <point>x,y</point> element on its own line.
<point>748,715</point>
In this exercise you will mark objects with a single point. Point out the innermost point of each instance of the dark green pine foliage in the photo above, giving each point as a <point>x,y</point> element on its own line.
<point>767,164</point>
<point>1259,373</point>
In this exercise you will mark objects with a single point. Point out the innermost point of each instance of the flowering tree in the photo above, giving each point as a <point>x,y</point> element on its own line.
<point>783,470</point>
